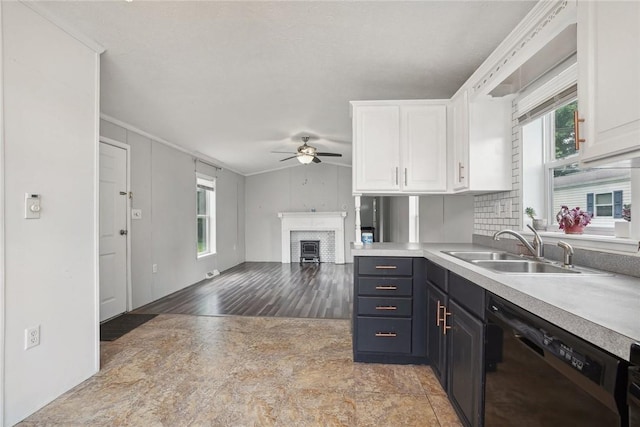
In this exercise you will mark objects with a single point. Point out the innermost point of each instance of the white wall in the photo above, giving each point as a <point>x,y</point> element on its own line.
<point>533,173</point>
<point>442,218</point>
<point>322,187</point>
<point>163,186</point>
<point>398,219</point>
<point>50,130</point>
<point>446,219</point>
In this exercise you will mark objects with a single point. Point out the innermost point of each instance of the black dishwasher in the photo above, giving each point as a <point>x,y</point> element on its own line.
<point>633,391</point>
<point>537,374</point>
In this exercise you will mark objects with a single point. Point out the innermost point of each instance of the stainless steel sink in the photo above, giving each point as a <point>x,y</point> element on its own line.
<point>482,255</point>
<point>527,267</point>
<point>503,262</point>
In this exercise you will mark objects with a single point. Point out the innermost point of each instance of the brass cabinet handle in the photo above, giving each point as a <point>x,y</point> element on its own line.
<point>445,327</point>
<point>438,313</point>
<point>386,288</point>
<point>405,177</point>
<point>386,334</point>
<point>386,307</point>
<point>576,129</point>
<point>460,167</point>
<point>396,175</point>
<point>386,267</point>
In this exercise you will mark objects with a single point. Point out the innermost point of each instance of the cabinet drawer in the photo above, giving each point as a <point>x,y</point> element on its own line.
<point>437,275</point>
<point>385,266</point>
<point>371,306</point>
<point>384,335</point>
<point>467,294</point>
<point>386,286</point>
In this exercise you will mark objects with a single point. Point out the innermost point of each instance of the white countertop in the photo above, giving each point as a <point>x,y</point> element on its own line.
<point>601,309</point>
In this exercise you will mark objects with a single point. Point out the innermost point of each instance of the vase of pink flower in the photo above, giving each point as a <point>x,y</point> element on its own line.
<point>573,221</point>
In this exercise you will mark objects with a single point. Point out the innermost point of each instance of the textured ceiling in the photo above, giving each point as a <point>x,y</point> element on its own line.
<point>236,80</point>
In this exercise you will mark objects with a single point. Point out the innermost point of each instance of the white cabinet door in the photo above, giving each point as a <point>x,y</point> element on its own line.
<point>609,79</point>
<point>460,140</point>
<point>490,145</point>
<point>376,155</point>
<point>481,139</point>
<point>423,148</point>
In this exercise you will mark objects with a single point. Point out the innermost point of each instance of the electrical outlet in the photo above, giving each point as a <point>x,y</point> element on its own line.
<point>507,209</point>
<point>31,337</point>
<point>154,268</point>
<point>497,208</point>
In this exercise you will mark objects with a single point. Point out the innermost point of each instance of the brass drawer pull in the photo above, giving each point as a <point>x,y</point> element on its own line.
<point>386,267</point>
<point>386,307</point>
<point>440,306</point>
<point>386,334</point>
<point>445,327</point>
<point>386,288</point>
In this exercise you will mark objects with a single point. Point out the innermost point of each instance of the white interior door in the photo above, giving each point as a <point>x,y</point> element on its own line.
<point>113,231</point>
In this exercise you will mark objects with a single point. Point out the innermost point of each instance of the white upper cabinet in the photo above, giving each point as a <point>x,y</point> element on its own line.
<point>399,147</point>
<point>376,142</point>
<point>609,80</point>
<point>459,137</point>
<point>480,136</point>
<point>423,131</point>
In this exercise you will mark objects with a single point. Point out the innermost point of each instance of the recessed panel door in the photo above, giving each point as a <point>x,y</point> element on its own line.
<point>113,231</point>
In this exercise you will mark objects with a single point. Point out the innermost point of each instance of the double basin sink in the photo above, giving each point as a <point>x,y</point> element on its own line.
<point>504,262</point>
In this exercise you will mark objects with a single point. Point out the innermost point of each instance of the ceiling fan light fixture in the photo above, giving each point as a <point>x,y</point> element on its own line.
<point>305,159</point>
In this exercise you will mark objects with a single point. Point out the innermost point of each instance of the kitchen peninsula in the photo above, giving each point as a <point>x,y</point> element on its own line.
<point>560,332</point>
<point>601,309</point>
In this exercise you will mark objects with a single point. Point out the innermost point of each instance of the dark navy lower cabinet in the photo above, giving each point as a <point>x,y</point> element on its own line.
<point>436,340</point>
<point>388,310</point>
<point>455,340</point>
<point>466,363</point>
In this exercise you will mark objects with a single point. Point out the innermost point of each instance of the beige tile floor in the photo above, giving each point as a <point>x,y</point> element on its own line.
<point>179,370</point>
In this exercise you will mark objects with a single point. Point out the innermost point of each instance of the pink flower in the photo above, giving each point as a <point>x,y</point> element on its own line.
<point>570,217</point>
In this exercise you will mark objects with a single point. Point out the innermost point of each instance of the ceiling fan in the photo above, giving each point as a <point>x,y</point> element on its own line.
<point>307,153</point>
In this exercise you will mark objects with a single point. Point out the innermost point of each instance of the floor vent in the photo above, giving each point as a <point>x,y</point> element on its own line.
<point>212,274</point>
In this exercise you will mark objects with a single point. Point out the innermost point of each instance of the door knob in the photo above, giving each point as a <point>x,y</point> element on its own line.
<point>123,232</point>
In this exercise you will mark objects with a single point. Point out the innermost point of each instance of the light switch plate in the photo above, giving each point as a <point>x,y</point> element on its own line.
<point>31,206</point>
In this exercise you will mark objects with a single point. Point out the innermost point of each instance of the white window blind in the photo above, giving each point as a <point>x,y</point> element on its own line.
<point>206,183</point>
<point>556,92</point>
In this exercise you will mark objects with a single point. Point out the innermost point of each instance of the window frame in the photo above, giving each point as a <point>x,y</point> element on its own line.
<point>597,205</point>
<point>597,241</point>
<point>207,184</point>
<point>550,162</point>
<point>525,102</point>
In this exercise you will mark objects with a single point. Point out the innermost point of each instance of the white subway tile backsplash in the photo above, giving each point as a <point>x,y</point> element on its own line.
<point>327,244</point>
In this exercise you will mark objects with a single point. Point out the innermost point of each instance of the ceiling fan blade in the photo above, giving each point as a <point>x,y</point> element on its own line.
<point>316,160</point>
<point>329,154</point>
<point>289,158</point>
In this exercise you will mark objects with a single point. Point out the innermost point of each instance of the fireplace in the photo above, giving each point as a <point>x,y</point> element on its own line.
<point>310,251</point>
<point>331,222</point>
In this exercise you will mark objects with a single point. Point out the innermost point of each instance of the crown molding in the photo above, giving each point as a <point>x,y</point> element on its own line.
<point>544,22</point>
<point>194,154</point>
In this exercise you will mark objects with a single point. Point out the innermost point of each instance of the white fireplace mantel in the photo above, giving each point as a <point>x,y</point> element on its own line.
<point>312,221</point>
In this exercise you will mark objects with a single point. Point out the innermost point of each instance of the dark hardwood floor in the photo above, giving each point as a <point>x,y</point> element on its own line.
<point>267,289</point>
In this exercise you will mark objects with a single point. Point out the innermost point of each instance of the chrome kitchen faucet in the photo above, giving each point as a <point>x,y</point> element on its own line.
<point>537,250</point>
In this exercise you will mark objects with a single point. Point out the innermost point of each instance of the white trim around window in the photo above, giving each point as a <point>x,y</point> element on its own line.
<point>205,215</point>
